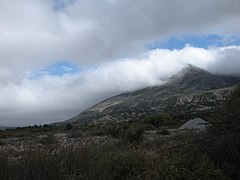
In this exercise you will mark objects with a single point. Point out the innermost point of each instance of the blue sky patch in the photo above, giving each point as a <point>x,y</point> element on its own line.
<point>201,41</point>
<point>57,69</point>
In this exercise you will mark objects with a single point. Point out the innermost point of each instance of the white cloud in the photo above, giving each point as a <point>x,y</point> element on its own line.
<point>55,98</point>
<point>227,61</point>
<point>33,33</point>
<point>36,33</point>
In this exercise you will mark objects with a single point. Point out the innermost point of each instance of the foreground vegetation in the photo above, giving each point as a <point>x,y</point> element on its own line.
<point>127,151</point>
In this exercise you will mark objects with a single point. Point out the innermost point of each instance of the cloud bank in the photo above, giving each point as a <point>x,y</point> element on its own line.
<point>111,37</point>
<point>34,33</point>
<point>55,98</point>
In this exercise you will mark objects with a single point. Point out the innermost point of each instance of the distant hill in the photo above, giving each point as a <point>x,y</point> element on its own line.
<point>3,127</point>
<point>191,90</point>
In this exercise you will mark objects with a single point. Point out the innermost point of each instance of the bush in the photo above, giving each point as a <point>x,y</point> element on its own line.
<point>163,132</point>
<point>123,164</point>
<point>76,134</point>
<point>97,132</point>
<point>112,129</point>
<point>45,125</point>
<point>158,120</point>
<point>3,135</point>
<point>232,104</point>
<point>2,143</point>
<point>69,126</point>
<point>94,162</point>
<point>49,140</point>
<point>133,135</point>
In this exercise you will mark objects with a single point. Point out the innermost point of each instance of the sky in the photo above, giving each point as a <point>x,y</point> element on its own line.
<point>59,57</point>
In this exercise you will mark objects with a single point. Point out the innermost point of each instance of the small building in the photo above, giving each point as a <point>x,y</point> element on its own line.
<point>197,124</point>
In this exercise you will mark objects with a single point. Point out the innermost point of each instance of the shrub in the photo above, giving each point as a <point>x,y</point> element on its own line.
<point>3,135</point>
<point>97,132</point>
<point>113,130</point>
<point>45,125</point>
<point>2,143</point>
<point>133,135</point>
<point>110,162</point>
<point>158,120</point>
<point>163,132</point>
<point>76,134</point>
<point>49,140</point>
<point>232,104</point>
<point>123,164</point>
<point>69,126</point>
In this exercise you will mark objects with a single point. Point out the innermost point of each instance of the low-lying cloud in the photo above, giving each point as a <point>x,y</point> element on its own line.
<point>55,98</point>
<point>102,35</point>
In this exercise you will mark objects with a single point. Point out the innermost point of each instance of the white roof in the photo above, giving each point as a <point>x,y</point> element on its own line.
<point>196,123</point>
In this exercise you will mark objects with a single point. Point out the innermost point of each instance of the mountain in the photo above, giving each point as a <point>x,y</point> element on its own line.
<point>3,127</point>
<point>191,90</point>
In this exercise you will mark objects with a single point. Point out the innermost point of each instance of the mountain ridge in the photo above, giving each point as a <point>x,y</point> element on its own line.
<point>193,89</point>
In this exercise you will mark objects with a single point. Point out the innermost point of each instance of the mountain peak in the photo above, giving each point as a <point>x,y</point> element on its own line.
<point>196,78</point>
<point>190,69</point>
<point>187,91</point>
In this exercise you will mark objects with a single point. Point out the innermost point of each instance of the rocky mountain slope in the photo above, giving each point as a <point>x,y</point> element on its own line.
<point>192,90</point>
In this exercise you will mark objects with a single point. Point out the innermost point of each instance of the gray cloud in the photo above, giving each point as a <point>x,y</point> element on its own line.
<point>227,63</point>
<point>56,98</point>
<point>33,34</point>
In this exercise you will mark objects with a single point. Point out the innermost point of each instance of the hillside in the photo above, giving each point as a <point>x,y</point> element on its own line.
<point>152,147</point>
<point>191,90</point>
<point>3,127</point>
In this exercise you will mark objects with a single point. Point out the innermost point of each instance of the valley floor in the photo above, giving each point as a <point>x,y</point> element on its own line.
<point>99,151</point>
